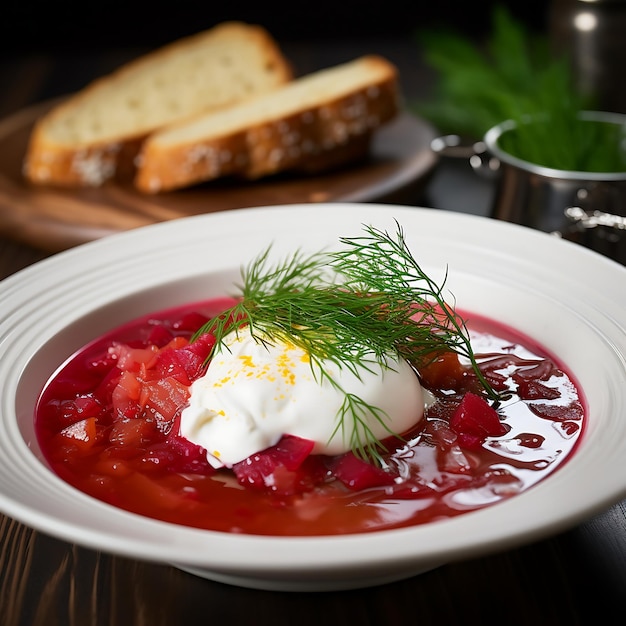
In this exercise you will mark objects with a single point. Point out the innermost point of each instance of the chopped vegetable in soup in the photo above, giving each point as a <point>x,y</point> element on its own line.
<point>306,407</point>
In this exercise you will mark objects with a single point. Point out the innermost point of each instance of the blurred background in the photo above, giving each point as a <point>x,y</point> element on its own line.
<point>50,49</point>
<point>32,26</point>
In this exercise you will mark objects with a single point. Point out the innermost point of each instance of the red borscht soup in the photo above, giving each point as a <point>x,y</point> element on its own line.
<point>108,424</point>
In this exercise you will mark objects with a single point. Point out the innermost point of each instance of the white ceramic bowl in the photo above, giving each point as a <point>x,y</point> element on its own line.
<point>569,299</point>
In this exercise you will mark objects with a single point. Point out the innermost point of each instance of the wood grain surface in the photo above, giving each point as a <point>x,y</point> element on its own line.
<point>45,582</point>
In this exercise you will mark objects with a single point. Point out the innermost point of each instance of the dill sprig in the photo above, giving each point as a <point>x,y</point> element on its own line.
<point>367,304</point>
<point>516,75</point>
<point>421,323</point>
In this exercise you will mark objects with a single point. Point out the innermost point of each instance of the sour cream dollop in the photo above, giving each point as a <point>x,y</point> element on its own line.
<point>254,392</point>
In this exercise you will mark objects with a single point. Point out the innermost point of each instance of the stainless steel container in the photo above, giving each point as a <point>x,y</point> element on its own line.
<point>587,207</point>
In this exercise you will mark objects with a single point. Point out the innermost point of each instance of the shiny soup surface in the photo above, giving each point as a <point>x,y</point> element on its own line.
<point>107,422</point>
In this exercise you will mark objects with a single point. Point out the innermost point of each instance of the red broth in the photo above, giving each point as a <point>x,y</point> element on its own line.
<point>141,465</point>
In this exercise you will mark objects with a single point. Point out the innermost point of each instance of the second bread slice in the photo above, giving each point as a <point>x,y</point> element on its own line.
<point>323,117</point>
<point>90,136</point>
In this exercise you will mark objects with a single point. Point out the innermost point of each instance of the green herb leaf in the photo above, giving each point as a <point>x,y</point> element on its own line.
<point>367,304</point>
<point>515,76</point>
<point>512,76</point>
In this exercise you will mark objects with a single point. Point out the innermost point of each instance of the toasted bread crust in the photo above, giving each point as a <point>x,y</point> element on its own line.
<point>95,134</point>
<point>314,130</point>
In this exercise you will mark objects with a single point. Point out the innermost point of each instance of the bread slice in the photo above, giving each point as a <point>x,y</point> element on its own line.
<point>83,141</point>
<point>315,121</point>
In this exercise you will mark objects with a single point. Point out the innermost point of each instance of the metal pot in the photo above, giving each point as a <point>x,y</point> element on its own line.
<point>586,207</point>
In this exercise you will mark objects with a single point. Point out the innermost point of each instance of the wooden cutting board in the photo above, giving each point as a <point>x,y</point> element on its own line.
<point>55,219</point>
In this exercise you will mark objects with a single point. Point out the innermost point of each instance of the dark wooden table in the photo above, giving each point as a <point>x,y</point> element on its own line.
<point>573,578</point>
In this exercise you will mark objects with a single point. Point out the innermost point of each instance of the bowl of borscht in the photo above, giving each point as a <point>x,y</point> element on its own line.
<point>313,397</point>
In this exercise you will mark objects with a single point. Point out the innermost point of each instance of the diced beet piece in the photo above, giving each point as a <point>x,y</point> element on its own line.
<point>170,364</point>
<point>278,468</point>
<point>191,322</point>
<point>87,406</point>
<point>252,471</point>
<point>198,352</point>
<point>186,363</point>
<point>160,335</point>
<point>474,418</point>
<point>291,451</point>
<point>177,454</point>
<point>357,474</point>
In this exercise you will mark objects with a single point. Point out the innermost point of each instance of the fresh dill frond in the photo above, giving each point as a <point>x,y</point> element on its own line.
<point>420,322</point>
<point>367,304</point>
<point>511,75</point>
<point>516,75</point>
<point>363,442</point>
